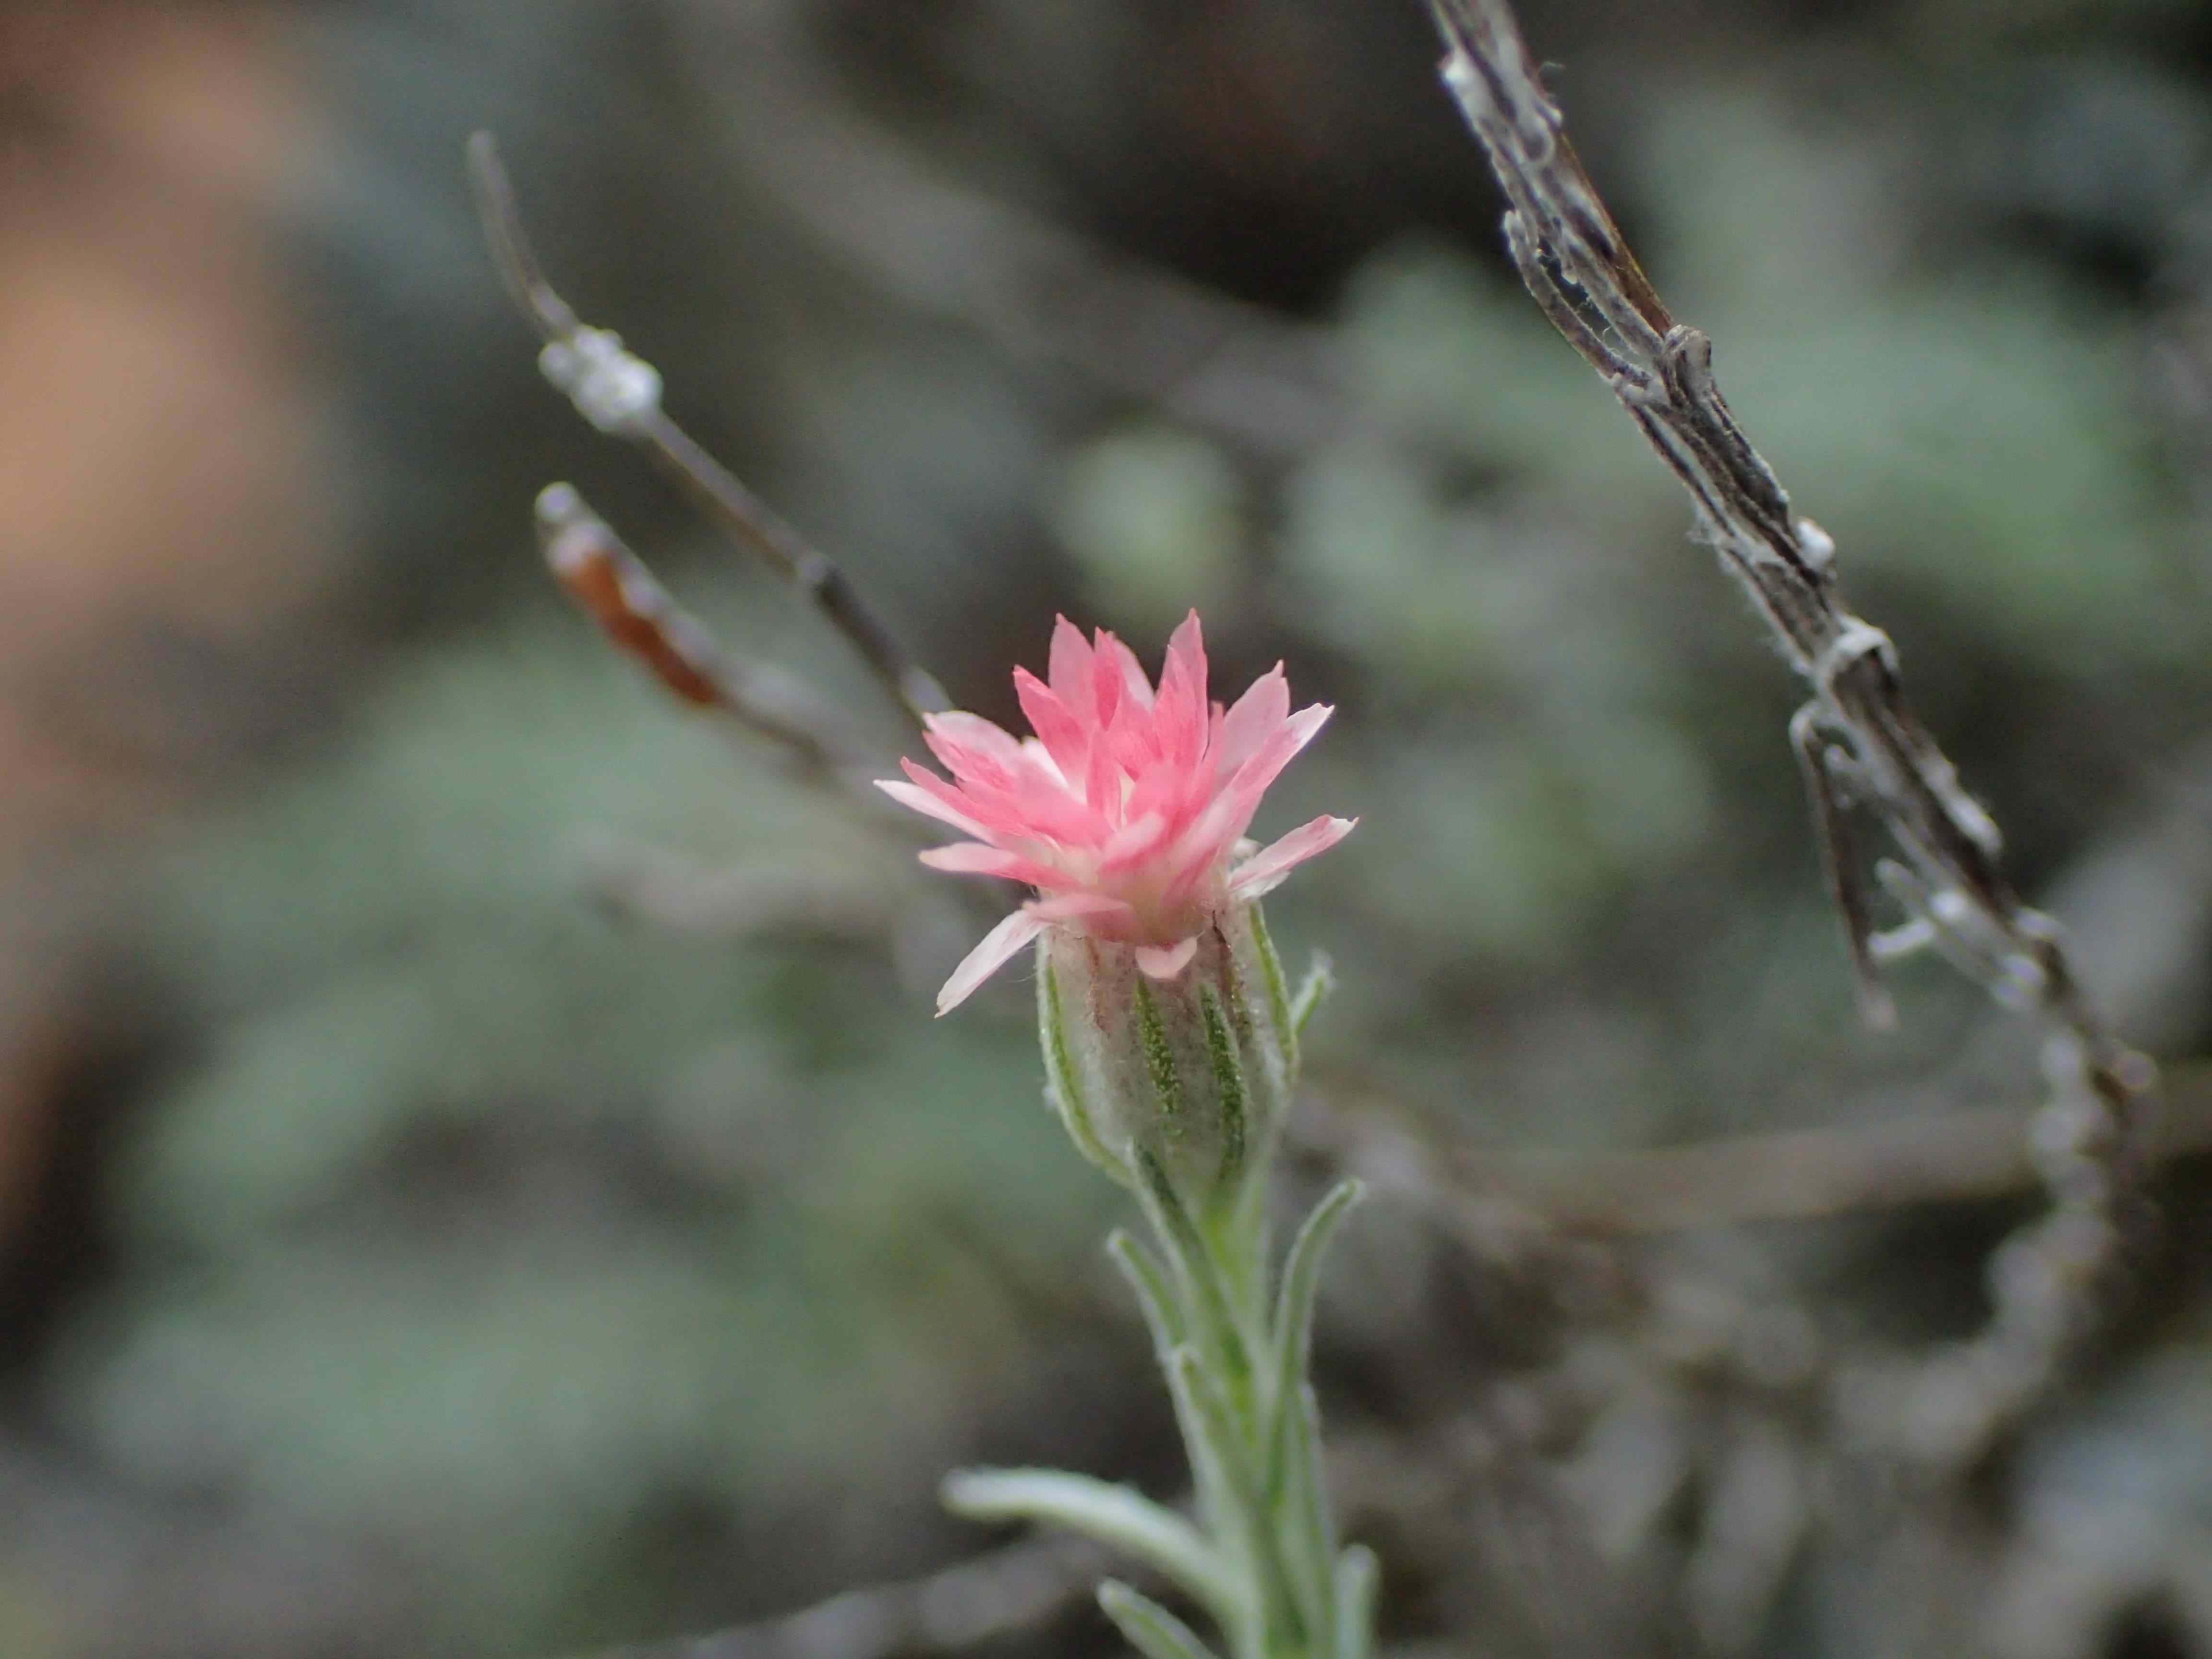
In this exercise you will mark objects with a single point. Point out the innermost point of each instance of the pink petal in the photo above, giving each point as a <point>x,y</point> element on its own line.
<point>932,805</point>
<point>973,731</point>
<point>1266,869</point>
<point>1079,906</point>
<point>1278,749</point>
<point>1204,841</point>
<point>1259,712</point>
<point>1179,715</point>
<point>1056,724</point>
<point>1036,755</point>
<point>1120,676</point>
<point>1102,783</point>
<point>975,751</point>
<point>1069,672</point>
<point>1165,962</point>
<point>990,809</point>
<point>1136,842</point>
<point>970,858</point>
<point>997,948</point>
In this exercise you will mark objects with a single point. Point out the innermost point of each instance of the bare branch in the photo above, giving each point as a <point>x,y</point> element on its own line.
<point>613,585</point>
<point>1575,260</point>
<point>619,393</point>
<point>650,885</point>
<point>1802,1175</point>
<point>1270,387</point>
<point>1005,1593</point>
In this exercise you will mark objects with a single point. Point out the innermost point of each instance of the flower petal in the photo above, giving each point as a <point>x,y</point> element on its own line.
<point>1068,671</point>
<point>919,799</point>
<point>1079,906</point>
<point>1251,720</point>
<point>1266,869</point>
<point>997,948</point>
<point>1179,714</point>
<point>1119,676</point>
<point>1278,751</point>
<point>1059,727</point>
<point>971,858</point>
<point>1165,962</point>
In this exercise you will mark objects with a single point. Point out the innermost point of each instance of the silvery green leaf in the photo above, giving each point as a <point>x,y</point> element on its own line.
<point>1117,1516</point>
<point>1283,1600</point>
<point>1154,1295</point>
<point>1359,1578</point>
<point>1152,1629</point>
<point>1319,981</point>
<point>1294,1302</point>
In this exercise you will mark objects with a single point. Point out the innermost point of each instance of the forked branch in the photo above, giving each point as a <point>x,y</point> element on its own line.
<point>619,393</point>
<point>1863,748</point>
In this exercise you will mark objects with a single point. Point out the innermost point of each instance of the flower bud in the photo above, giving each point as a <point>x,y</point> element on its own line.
<point>1192,1073</point>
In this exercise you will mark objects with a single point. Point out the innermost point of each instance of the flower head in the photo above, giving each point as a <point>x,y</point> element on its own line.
<point>1127,812</point>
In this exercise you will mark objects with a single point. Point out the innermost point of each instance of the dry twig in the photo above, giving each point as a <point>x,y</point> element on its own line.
<point>1005,1592</point>
<point>1860,746</point>
<point>619,393</point>
<point>1803,1175</point>
<point>1272,388</point>
<point>613,585</point>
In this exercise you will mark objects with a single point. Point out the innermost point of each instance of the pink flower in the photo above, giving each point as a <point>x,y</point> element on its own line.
<point>1127,812</point>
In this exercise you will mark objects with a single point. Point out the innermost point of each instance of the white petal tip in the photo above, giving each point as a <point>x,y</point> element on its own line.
<point>1267,869</point>
<point>992,952</point>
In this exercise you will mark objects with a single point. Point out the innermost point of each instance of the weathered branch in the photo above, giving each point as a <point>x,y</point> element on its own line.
<point>613,587</point>
<point>1865,749</point>
<point>1002,1594</point>
<point>619,393</point>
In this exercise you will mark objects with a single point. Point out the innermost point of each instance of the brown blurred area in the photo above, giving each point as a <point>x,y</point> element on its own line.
<point>166,467</point>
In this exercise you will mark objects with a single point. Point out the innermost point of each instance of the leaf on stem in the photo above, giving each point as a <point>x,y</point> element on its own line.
<point>1148,1280</point>
<point>1294,1492</point>
<point>1209,1319</point>
<point>1319,980</point>
<point>1117,1516</point>
<point>1294,1302</point>
<point>1359,1580</point>
<point>1152,1629</point>
<point>1282,1602</point>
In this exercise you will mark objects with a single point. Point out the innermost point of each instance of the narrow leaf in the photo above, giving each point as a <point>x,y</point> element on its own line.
<point>1294,1483</point>
<point>1117,1516</point>
<point>1154,1295</point>
<point>1359,1578</point>
<point>1283,1600</point>
<point>1319,980</point>
<point>1209,1319</point>
<point>1152,1629</point>
<point>1279,1003</point>
<point>1308,1514</point>
<point>1294,1302</point>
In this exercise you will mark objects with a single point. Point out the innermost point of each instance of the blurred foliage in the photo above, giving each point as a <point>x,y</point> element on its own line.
<point>480,1192</point>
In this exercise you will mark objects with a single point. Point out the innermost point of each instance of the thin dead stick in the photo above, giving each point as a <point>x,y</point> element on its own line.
<point>613,585</point>
<point>1860,743</point>
<point>619,393</point>
<point>1271,388</point>
<point>1804,1174</point>
<point>992,1597</point>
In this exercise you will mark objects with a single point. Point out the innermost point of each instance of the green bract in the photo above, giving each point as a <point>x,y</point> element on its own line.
<point>1193,1072</point>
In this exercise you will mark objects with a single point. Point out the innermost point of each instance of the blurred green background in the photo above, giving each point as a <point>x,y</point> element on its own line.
<point>477,1173</point>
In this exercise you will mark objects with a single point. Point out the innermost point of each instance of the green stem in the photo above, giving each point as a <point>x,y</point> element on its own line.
<point>1247,1412</point>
